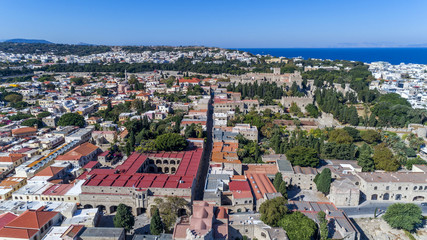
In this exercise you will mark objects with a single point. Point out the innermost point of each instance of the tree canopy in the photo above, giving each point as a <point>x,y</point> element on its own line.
<point>298,226</point>
<point>323,181</point>
<point>384,159</point>
<point>405,216</point>
<point>124,218</point>
<point>31,122</point>
<point>156,224</point>
<point>303,156</point>
<point>170,142</point>
<point>71,119</point>
<point>168,209</point>
<point>273,210</point>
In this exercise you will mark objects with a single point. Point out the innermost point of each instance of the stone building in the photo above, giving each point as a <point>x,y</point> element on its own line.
<point>141,179</point>
<point>393,186</point>
<point>208,222</point>
<point>301,102</point>
<point>275,77</point>
<point>344,192</point>
<point>250,225</point>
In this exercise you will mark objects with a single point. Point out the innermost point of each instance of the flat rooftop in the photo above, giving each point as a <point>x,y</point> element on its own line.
<point>407,177</point>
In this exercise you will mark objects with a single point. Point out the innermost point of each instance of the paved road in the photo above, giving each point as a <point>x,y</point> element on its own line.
<point>367,209</point>
<point>206,157</point>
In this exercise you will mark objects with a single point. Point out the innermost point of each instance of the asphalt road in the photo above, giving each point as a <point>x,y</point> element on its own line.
<point>367,209</point>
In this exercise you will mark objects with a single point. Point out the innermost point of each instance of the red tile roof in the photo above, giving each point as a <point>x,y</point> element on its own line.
<point>49,171</point>
<point>13,157</point>
<point>78,152</point>
<point>126,175</point>
<point>27,224</point>
<point>17,233</point>
<point>260,184</point>
<point>6,218</point>
<point>23,130</point>
<point>239,186</point>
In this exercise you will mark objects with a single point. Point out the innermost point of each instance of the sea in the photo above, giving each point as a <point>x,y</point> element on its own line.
<point>392,55</point>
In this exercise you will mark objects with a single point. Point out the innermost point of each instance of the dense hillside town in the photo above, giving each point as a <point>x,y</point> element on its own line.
<point>205,143</point>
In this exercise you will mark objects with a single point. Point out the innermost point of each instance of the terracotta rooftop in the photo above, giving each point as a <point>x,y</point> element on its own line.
<point>49,171</point>
<point>78,152</point>
<point>6,218</point>
<point>13,157</point>
<point>17,233</point>
<point>269,169</point>
<point>23,130</point>
<point>260,184</point>
<point>126,175</point>
<point>31,219</point>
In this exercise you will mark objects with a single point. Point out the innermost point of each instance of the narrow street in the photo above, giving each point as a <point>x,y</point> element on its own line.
<point>367,209</point>
<point>207,154</point>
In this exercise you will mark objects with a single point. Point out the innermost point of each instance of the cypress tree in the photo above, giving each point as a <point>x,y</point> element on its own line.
<point>156,224</point>
<point>323,181</point>
<point>124,218</point>
<point>283,189</point>
<point>278,179</point>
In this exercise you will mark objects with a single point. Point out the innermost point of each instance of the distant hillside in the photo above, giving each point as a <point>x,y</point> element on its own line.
<point>21,40</point>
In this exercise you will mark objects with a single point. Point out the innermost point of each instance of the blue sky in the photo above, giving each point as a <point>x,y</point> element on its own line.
<point>232,23</point>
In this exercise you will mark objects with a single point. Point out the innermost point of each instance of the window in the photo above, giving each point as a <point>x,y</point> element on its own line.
<point>375,188</point>
<point>387,188</point>
<point>400,188</point>
<point>415,188</point>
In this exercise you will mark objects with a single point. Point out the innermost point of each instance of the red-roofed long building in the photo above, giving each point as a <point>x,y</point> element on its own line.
<point>141,179</point>
<point>32,224</point>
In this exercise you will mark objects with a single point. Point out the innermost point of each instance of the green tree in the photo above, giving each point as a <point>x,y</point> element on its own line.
<point>294,109</point>
<point>169,208</point>
<point>384,159</point>
<point>31,122</point>
<point>340,136</point>
<point>298,226</point>
<point>354,133</point>
<point>365,160</point>
<point>102,91</point>
<point>283,189</point>
<point>278,179</point>
<point>170,142</point>
<point>43,115</point>
<point>13,98</point>
<point>124,218</point>
<point>71,119</point>
<point>156,224</point>
<point>370,136</point>
<point>312,110</point>
<point>72,90</point>
<point>273,210</point>
<point>413,161</point>
<point>78,81</point>
<point>323,181</point>
<point>323,225</point>
<point>407,216</point>
<point>303,156</point>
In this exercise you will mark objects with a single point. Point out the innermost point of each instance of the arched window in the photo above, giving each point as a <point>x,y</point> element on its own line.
<point>386,196</point>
